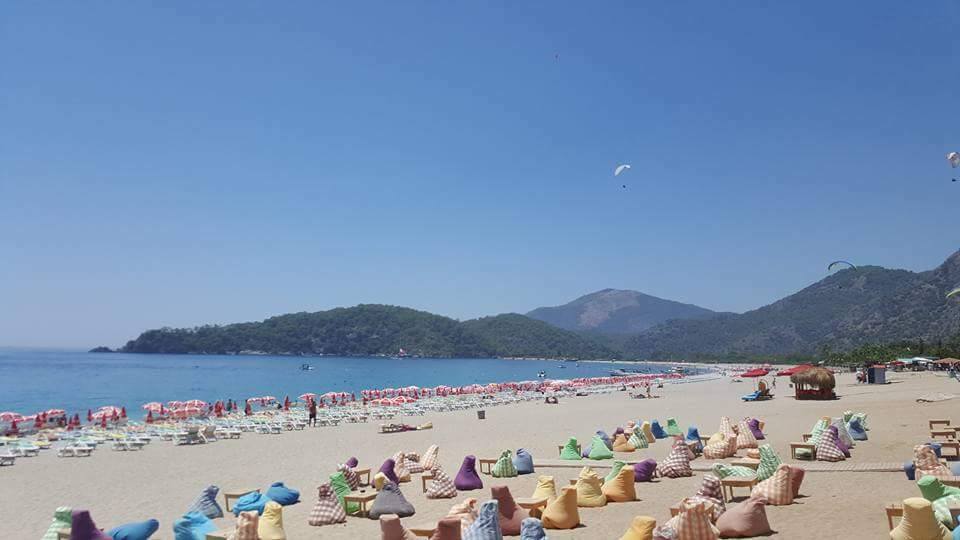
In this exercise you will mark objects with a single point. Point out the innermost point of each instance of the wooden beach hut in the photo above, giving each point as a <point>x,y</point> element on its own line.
<point>814,383</point>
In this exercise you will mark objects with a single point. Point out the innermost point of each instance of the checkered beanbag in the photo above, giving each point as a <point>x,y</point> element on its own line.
<point>776,490</point>
<point>504,468</point>
<point>352,478</point>
<point>827,449</point>
<point>247,525</point>
<point>710,492</point>
<point>716,449</point>
<point>769,461</point>
<point>328,509</point>
<point>411,460</point>
<point>677,463</point>
<point>745,438</point>
<point>431,458</point>
<point>726,427</point>
<point>400,467</point>
<point>693,522</point>
<point>441,487</point>
<point>927,463</point>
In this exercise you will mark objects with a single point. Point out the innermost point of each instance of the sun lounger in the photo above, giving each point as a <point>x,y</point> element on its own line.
<point>7,459</point>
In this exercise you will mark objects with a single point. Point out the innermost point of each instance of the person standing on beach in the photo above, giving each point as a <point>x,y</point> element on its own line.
<point>313,413</point>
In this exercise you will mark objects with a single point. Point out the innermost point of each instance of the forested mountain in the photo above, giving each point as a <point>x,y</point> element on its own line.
<point>612,311</point>
<point>374,330</point>
<point>850,308</point>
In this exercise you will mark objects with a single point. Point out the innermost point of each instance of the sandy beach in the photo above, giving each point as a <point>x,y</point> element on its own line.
<point>161,481</point>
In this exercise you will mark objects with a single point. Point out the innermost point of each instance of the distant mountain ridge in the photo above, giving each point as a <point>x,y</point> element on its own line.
<point>613,311</point>
<point>371,330</point>
<point>853,307</point>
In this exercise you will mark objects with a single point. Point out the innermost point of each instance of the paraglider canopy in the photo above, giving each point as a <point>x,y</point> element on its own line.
<point>835,264</point>
<point>620,169</point>
<point>953,293</point>
<point>954,159</point>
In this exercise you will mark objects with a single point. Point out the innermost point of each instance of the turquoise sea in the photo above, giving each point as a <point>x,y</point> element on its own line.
<point>32,380</point>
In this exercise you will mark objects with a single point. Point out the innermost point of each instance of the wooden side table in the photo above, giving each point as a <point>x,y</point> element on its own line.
<point>365,472</point>
<point>361,499</point>
<point>424,478</point>
<point>730,482</point>
<point>533,506</point>
<point>489,465</point>
<point>234,495</point>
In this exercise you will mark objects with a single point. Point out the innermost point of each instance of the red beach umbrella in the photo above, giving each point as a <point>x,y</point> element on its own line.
<point>89,415</point>
<point>286,403</point>
<point>149,419</point>
<point>123,412</point>
<point>755,373</point>
<point>103,421</point>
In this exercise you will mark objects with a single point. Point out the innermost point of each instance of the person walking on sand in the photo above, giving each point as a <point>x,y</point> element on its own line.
<point>313,413</point>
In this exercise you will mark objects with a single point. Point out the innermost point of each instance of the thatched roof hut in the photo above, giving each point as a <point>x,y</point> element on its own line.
<point>814,383</point>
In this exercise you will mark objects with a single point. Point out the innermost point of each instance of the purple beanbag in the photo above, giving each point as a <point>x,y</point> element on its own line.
<point>467,478</point>
<point>352,463</point>
<point>643,471</point>
<point>755,429</point>
<point>387,470</point>
<point>82,527</point>
<point>836,434</point>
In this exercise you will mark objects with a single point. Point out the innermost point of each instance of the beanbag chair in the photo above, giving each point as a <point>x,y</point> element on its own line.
<point>251,502</point>
<point>141,530</point>
<point>380,480</point>
<point>352,478</point>
<point>726,428</point>
<point>206,503</point>
<point>710,493</point>
<point>776,490</point>
<point>657,431</point>
<point>641,528</point>
<point>862,418</point>
<point>677,463</point>
<point>283,495</point>
<point>392,529</point>
<point>717,448</point>
<point>82,527</point>
<point>769,461</point>
<point>389,469</point>
<point>411,460</point>
<point>856,431</point>
<point>621,488</point>
<point>753,453</point>
<point>448,528</point>
<point>754,426</point>
<point>932,488</point>
<point>352,462</point>
<point>487,525</point>
<point>678,442</point>
<point>638,440</point>
<point>847,415</point>
<point>910,470</point>
<point>927,463</point>
<point>328,510</point>
<point>605,438</point>
<point>192,526</point>
<point>631,426</point>
<point>835,435</point>
<point>246,527</point>
<point>693,521</point>
<point>647,431</point>
<point>645,470</point>
<point>562,512</point>
<point>270,526</point>
<point>546,489</point>
<point>467,478</point>
<point>523,462</point>
<point>399,467</point>
<point>441,487</point>
<point>827,449</point>
<point>746,519</point>
<point>532,529</point>
<point>842,433</point>
<point>693,434</point>
<point>673,429</point>
<point>614,469</point>
<point>570,450</point>
<point>62,517</point>
<point>339,485</point>
<point>390,501</point>
<point>941,509</point>
<point>745,438</point>
<point>598,449</point>
<point>722,470</point>
<point>919,522</point>
<point>504,468</point>
<point>431,458</point>
<point>511,515</point>
<point>620,444</point>
<point>796,478</point>
<point>466,512</point>
<point>589,492</point>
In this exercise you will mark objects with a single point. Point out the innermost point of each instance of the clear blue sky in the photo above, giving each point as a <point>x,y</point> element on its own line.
<point>212,162</point>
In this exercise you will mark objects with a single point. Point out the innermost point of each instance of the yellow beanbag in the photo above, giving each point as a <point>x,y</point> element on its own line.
<point>546,489</point>
<point>648,432</point>
<point>562,513</point>
<point>919,522</point>
<point>621,488</point>
<point>589,492</point>
<point>640,529</point>
<point>271,523</point>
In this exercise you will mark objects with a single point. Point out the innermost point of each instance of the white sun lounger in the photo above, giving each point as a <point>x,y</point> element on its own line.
<point>8,459</point>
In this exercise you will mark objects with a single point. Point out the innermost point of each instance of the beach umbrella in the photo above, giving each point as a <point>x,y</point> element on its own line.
<point>306,396</point>
<point>195,403</point>
<point>103,421</point>
<point>89,416</point>
<point>149,419</point>
<point>286,403</point>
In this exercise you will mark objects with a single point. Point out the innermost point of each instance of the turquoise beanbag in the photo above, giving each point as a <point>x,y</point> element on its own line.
<point>250,501</point>
<point>192,526</point>
<point>135,531</point>
<point>283,495</point>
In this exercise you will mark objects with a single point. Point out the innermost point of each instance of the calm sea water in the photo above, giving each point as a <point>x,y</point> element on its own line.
<point>76,381</point>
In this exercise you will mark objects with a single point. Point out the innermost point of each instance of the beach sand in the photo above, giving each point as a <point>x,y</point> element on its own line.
<point>162,480</point>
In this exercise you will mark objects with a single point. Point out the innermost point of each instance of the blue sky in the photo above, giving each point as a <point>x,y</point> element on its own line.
<point>187,163</point>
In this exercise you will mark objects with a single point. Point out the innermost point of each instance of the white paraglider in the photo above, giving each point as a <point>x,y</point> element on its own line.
<point>954,159</point>
<point>621,168</point>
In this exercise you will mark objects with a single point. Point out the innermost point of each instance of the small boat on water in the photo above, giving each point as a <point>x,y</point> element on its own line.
<point>306,367</point>
<point>542,374</point>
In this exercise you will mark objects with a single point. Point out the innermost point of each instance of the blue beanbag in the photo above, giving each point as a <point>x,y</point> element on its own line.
<point>250,501</point>
<point>283,495</point>
<point>135,531</point>
<point>936,448</point>
<point>658,431</point>
<point>910,469</point>
<point>856,430</point>
<point>606,439</point>
<point>955,468</point>
<point>192,526</point>
<point>523,462</point>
